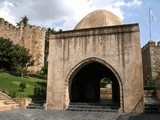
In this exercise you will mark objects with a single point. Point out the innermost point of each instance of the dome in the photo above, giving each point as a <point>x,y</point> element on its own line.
<point>99,18</point>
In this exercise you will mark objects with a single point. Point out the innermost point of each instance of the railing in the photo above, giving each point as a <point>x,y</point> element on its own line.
<point>134,110</point>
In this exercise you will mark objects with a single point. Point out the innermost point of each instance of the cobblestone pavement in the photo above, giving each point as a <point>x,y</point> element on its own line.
<point>33,114</point>
<point>140,117</point>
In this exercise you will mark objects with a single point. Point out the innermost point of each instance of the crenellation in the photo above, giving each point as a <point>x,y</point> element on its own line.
<point>6,23</point>
<point>38,28</point>
<point>30,36</point>
<point>1,19</point>
<point>33,27</point>
<point>43,29</point>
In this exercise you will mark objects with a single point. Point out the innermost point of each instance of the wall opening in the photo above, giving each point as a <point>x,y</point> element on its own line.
<point>106,89</point>
<point>86,84</point>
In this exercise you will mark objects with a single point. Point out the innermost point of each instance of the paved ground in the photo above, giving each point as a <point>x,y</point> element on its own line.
<point>31,114</point>
<point>140,117</point>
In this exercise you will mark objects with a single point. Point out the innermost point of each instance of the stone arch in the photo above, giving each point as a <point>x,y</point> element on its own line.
<point>77,68</point>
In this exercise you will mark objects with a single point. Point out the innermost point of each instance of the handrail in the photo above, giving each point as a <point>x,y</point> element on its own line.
<point>137,103</point>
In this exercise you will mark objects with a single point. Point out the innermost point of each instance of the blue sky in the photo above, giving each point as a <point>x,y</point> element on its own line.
<point>65,14</point>
<point>141,15</point>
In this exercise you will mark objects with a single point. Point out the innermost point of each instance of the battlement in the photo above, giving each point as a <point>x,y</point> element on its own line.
<point>30,36</point>
<point>149,44</point>
<point>33,27</point>
<point>8,25</point>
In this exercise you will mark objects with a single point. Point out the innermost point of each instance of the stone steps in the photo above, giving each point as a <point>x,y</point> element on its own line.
<point>36,105</point>
<point>7,103</point>
<point>4,96</point>
<point>152,108</point>
<point>92,107</point>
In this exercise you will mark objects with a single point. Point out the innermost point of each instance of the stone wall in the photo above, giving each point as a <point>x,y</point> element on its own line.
<point>23,102</point>
<point>117,47</point>
<point>30,37</point>
<point>9,31</point>
<point>157,60</point>
<point>151,62</point>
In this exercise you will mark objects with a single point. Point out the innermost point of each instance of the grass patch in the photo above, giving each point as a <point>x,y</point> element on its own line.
<point>18,83</point>
<point>10,84</point>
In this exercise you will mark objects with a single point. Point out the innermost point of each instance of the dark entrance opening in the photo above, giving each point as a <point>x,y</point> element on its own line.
<point>85,86</point>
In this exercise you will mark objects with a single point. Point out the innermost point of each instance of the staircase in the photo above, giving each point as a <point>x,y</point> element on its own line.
<point>152,105</point>
<point>36,105</point>
<point>152,108</point>
<point>7,103</point>
<point>92,107</point>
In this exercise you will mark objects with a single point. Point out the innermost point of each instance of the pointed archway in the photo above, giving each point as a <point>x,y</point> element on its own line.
<point>84,82</point>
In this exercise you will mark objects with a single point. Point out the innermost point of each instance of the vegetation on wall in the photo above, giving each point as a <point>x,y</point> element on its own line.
<point>24,21</point>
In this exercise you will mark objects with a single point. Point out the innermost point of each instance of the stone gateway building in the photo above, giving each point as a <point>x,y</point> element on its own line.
<point>100,46</point>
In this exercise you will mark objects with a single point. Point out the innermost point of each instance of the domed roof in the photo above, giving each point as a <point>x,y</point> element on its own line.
<point>99,18</point>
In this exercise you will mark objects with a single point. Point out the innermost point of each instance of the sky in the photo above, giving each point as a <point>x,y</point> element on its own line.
<point>65,14</point>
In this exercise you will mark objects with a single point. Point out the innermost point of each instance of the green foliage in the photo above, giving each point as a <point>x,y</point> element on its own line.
<point>12,94</point>
<point>48,33</point>
<point>24,21</point>
<point>14,57</point>
<point>11,83</point>
<point>39,76</point>
<point>44,69</point>
<point>22,86</point>
<point>39,92</point>
<point>149,88</point>
<point>150,81</point>
<point>104,82</point>
<point>2,88</point>
<point>6,54</point>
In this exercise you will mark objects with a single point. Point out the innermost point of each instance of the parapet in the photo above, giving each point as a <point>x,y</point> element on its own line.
<point>6,24</point>
<point>33,27</point>
<point>150,43</point>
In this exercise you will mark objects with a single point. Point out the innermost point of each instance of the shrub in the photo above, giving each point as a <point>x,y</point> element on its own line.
<point>12,94</point>
<point>22,86</point>
<point>39,76</point>
<point>40,92</point>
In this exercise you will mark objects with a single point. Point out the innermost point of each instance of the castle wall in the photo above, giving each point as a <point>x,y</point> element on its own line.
<point>33,38</point>
<point>151,61</point>
<point>30,37</point>
<point>157,60</point>
<point>9,31</point>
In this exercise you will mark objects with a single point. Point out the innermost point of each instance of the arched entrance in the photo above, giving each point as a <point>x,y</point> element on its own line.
<point>112,51</point>
<point>84,83</point>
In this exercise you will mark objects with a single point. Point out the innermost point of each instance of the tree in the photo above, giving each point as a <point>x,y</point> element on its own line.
<point>14,57</point>
<point>6,53</point>
<point>104,82</point>
<point>24,21</point>
<point>48,33</point>
<point>22,59</point>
